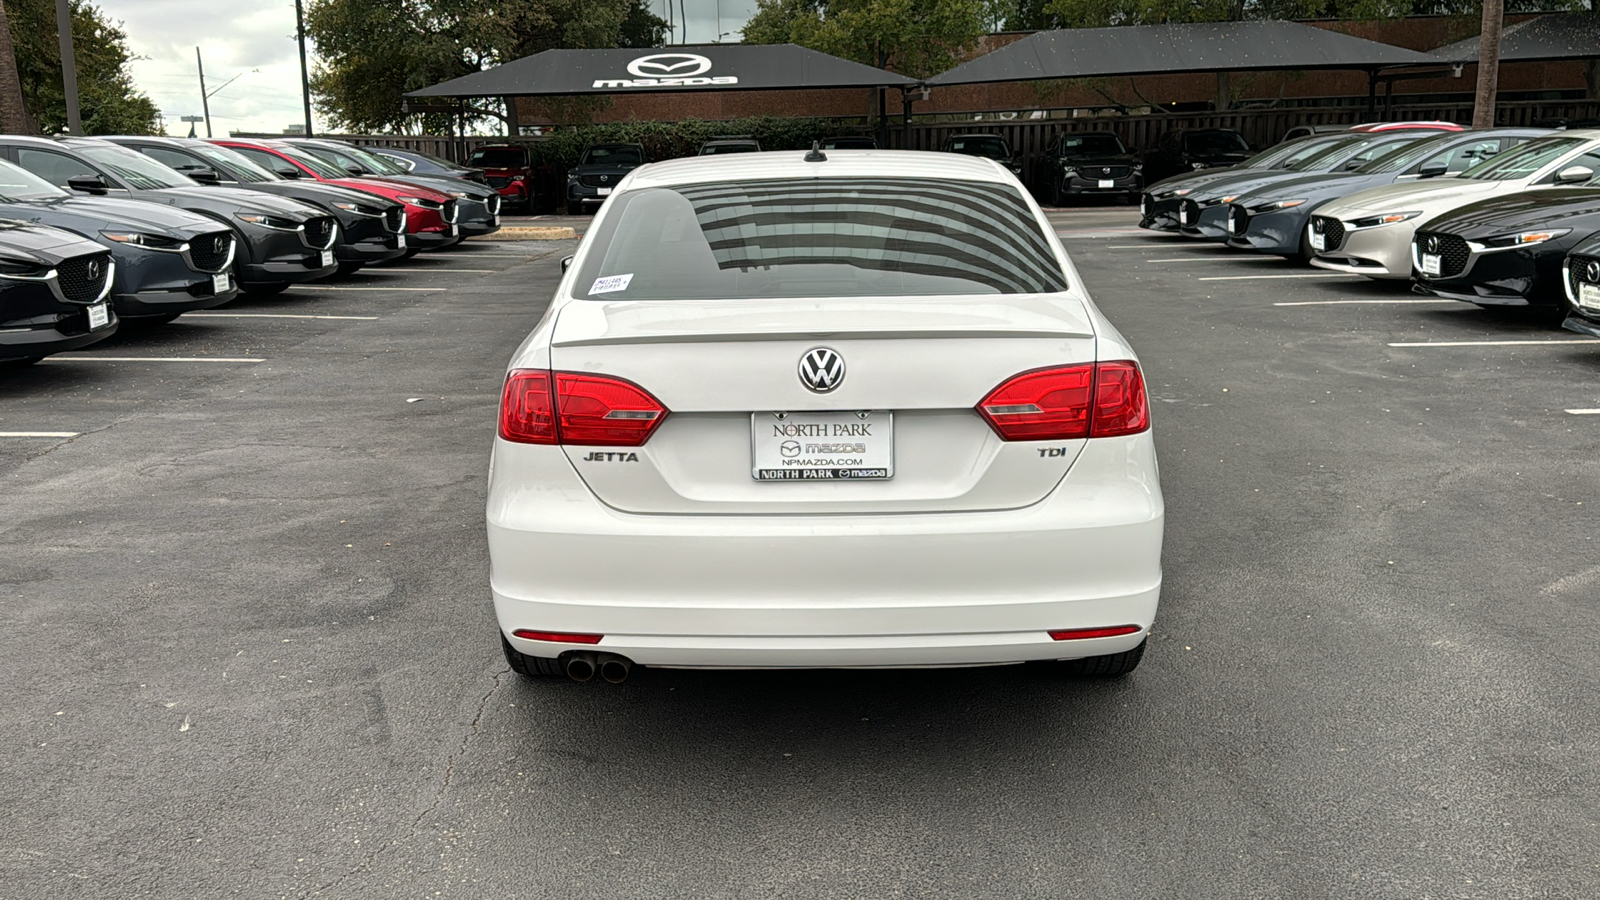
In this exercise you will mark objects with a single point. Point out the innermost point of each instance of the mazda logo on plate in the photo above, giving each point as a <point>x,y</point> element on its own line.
<point>1593,271</point>
<point>821,370</point>
<point>669,65</point>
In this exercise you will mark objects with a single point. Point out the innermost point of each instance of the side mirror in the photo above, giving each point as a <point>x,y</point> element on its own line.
<point>1432,170</point>
<point>566,263</point>
<point>355,170</point>
<point>286,172</point>
<point>1574,175</point>
<point>89,184</point>
<point>202,174</point>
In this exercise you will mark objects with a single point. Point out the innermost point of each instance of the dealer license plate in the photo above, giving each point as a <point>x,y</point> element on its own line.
<point>603,192</point>
<point>219,284</point>
<point>455,230</point>
<point>399,242</point>
<point>494,220</point>
<point>1319,241</point>
<point>1107,182</point>
<point>99,316</point>
<point>822,446</point>
<point>327,258</point>
<point>1430,263</point>
<point>1183,216</point>
<point>1588,295</point>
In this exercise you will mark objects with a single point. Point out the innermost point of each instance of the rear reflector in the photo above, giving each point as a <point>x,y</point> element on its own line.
<point>1069,402</point>
<point>594,410</point>
<point>1078,634</point>
<point>557,637</point>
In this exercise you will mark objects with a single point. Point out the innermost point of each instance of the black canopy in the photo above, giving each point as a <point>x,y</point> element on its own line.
<point>699,67</point>
<point>1565,36</point>
<point>1164,49</point>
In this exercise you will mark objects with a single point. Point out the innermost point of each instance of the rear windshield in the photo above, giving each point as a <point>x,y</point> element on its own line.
<point>498,158</point>
<point>714,149</point>
<point>825,237</point>
<point>991,147</point>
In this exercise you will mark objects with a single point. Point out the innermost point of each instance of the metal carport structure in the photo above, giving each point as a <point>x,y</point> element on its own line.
<point>1548,38</point>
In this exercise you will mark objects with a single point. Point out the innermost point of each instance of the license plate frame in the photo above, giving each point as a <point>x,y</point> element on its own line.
<point>1108,182</point>
<point>221,283</point>
<point>1183,215</point>
<point>602,192</point>
<point>1589,295</point>
<point>99,315</point>
<point>326,258</point>
<point>1319,241</point>
<point>400,241</point>
<point>834,445</point>
<point>1429,263</point>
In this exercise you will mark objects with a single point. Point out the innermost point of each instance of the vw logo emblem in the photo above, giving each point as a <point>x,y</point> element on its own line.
<point>669,65</point>
<point>94,270</point>
<point>1432,243</point>
<point>821,369</point>
<point>1593,271</point>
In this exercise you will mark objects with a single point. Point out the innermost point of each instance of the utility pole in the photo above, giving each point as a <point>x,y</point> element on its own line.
<point>69,66</point>
<point>305,78</point>
<point>1494,15</point>
<point>205,99</point>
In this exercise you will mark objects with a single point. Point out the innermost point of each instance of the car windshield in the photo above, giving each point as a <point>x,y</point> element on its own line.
<point>233,164</point>
<point>1398,159</point>
<point>612,156</point>
<point>439,161</point>
<point>318,166</point>
<point>17,183</point>
<point>372,162</point>
<point>1092,145</point>
<point>338,157</point>
<point>1330,156</point>
<point>823,237</point>
<point>498,158</point>
<point>138,170</point>
<point>740,147</point>
<point>1523,161</point>
<point>979,145</point>
<point>1214,142</point>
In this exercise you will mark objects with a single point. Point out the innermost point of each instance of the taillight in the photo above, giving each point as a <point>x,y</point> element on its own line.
<point>1083,634</point>
<point>541,407</point>
<point>1069,402</point>
<point>556,637</point>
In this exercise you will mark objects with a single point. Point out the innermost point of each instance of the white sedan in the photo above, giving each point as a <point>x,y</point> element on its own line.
<point>790,412</point>
<point>1369,232</point>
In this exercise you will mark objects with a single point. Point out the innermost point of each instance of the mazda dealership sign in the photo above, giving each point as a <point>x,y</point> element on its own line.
<point>660,70</point>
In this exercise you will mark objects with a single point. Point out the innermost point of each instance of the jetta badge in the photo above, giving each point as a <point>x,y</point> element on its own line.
<point>821,369</point>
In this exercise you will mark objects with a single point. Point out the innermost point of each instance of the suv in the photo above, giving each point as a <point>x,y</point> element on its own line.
<point>1088,163</point>
<point>591,181</point>
<point>989,146</point>
<point>730,145</point>
<point>509,170</point>
<point>53,287</point>
<point>1201,148</point>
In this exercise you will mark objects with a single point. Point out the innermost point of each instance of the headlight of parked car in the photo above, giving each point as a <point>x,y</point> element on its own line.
<point>1522,239</point>
<point>418,201</point>
<point>267,221</point>
<point>1385,219</point>
<point>357,208</point>
<point>1277,205</point>
<point>151,241</point>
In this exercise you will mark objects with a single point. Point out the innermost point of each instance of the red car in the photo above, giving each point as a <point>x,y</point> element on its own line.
<point>509,170</point>
<point>430,215</point>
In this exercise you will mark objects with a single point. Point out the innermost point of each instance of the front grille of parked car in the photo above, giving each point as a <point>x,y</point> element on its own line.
<point>449,211</point>
<point>1105,171</point>
<point>1582,269</point>
<point>1188,212</point>
<point>600,180</point>
<point>1332,231</point>
<point>492,204</point>
<point>1238,219</point>
<point>1451,248</point>
<point>499,181</point>
<point>83,278</point>
<point>394,219</point>
<point>210,252</point>
<point>319,232</point>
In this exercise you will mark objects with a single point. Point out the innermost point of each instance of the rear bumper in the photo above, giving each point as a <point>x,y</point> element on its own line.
<point>944,589</point>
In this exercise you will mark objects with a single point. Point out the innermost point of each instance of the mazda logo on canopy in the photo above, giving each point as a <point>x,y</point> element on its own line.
<point>670,65</point>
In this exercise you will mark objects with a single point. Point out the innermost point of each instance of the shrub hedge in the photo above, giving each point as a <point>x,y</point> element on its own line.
<point>666,140</point>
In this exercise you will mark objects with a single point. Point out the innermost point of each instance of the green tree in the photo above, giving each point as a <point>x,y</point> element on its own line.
<point>107,98</point>
<point>372,52</point>
<point>918,38</point>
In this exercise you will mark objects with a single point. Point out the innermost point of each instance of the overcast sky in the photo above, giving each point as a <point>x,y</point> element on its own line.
<point>255,41</point>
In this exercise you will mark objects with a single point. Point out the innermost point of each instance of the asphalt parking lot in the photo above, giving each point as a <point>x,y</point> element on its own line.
<point>250,651</point>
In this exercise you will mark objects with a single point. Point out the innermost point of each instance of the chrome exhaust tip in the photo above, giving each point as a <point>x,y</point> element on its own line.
<point>615,669</point>
<point>580,666</point>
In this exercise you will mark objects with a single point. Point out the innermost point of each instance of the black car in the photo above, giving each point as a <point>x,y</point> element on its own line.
<point>1581,284</point>
<point>989,146</point>
<point>415,162</point>
<point>1087,164</point>
<point>371,228</point>
<point>1186,150</point>
<point>1162,201</point>
<point>478,205</point>
<point>280,241</point>
<point>169,261</point>
<point>849,142</point>
<point>53,290</point>
<point>730,145</point>
<point>591,181</point>
<point>1505,251</point>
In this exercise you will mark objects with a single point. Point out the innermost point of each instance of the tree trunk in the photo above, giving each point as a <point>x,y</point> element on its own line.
<point>14,116</point>
<point>1488,63</point>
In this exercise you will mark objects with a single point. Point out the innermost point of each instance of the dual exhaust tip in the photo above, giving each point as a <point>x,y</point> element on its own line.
<point>611,668</point>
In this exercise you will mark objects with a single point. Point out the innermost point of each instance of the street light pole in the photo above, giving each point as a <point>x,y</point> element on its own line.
<point>305,79</point>
<point>205,99</point>
<point>69,66</point>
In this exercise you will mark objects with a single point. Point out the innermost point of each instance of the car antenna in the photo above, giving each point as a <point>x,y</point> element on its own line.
<point>816,154</point>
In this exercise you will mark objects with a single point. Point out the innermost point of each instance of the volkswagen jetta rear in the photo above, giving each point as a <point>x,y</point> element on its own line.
<point>850,412</point>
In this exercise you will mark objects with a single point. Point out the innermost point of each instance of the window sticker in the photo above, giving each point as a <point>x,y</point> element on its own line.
<point>611,283</point>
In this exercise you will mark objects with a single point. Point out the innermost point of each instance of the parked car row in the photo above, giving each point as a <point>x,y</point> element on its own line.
<point>95,231</point>
<point>1494,217</point>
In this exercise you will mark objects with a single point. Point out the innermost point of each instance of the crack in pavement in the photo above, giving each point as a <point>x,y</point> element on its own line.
<point>438,794</point>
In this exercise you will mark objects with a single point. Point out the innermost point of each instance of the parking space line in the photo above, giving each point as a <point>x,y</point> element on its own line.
<point>209,315</point>
<point>1261,277</point>
<point>1364,302</point>
<point>89,357</point>
<point>1492,343</point>
<point>38,434</point>
<point>1145,246</point>
<point>1186,259</point>
<point>1582,412</point>
<point>451,269</point>
<point>329,287</point>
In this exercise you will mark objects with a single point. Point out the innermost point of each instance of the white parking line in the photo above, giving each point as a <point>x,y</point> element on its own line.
<point>38,434</point>
<point>1492,343</point>
<point>163,359</point>
<point>1583,412</point>
<point>1261,277</point>
<point>1093,234</point>
<point>1128,246</point>
<point>207,315</point>
<point>1187,259</point>
<point>1364,302</point>
<point>451,269</point>
<point>326,287</point>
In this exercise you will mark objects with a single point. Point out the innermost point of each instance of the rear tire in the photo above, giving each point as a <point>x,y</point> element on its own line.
<point>530,666</point>
<point>265,290</point>
<point>1109,666</point>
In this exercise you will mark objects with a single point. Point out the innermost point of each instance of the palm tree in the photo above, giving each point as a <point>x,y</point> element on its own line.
<point>14,117</point>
